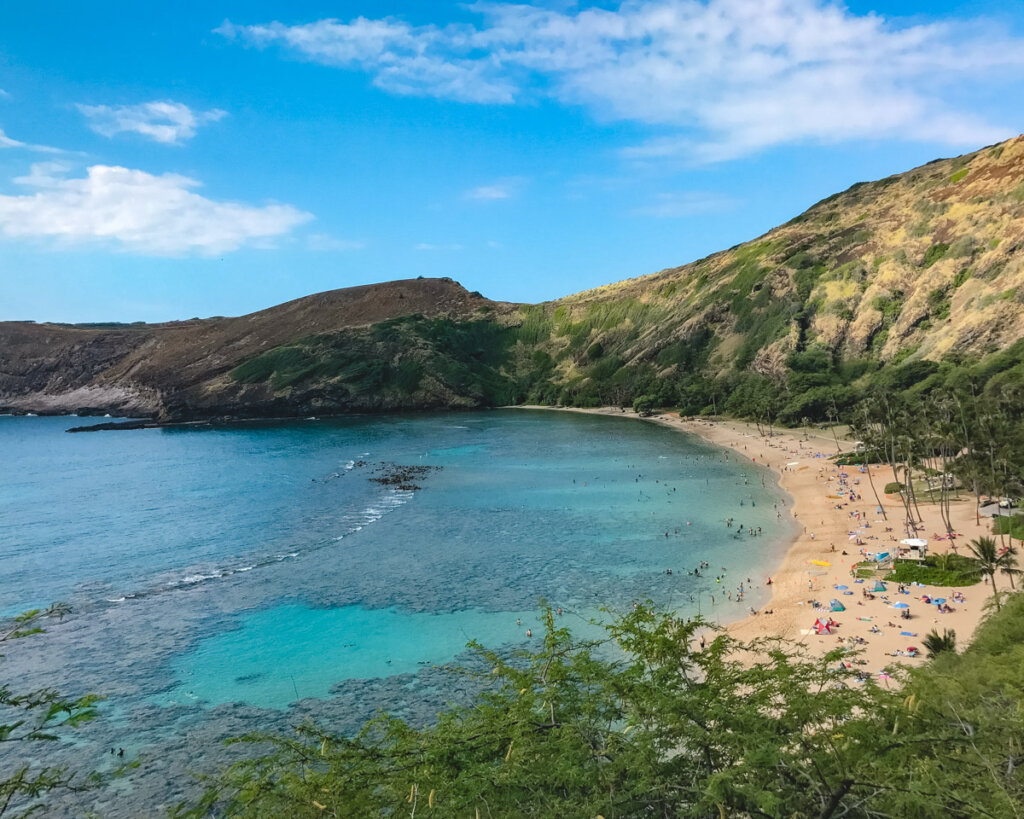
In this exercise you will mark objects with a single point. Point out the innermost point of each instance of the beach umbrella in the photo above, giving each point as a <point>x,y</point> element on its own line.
<point>938,601</point>
<point>901,605</point>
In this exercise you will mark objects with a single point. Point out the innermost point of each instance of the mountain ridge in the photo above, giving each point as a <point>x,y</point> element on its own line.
<point>927,265</point>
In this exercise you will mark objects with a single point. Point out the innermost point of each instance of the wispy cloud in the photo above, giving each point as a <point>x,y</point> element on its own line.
<point>137,212</point>
<point>434,246</point>
<point>4,95</point>
<point>8,142</point>
<point>720,78</point>
<point>681,204</point>
<point>165,121</point>
<point>502,189</point>
<point>418,61</point>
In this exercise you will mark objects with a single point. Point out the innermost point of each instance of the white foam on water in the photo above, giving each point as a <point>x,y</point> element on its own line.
<point>389,500</point>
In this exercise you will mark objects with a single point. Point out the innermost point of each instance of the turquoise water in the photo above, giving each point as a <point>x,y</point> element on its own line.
<point>278,649</point>
<point>234,577</point>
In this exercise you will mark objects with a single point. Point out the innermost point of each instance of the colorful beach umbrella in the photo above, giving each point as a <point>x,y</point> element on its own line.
<point>901,605</point>
<point>938,601</point>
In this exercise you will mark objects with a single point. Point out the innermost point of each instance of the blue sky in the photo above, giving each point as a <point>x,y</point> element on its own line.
<point>163,161</point>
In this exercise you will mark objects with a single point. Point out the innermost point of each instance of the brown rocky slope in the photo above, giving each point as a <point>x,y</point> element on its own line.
<point>147,369</point>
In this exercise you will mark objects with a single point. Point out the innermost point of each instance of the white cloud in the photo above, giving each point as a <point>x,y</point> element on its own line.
<point>687,203</point>
<point>8,142</point>
<point>138,212</point>
<point>4,95</point>
<point>720,78</point>
<point>166,121</point>
<point>403,59</point>
<point>501,189</point>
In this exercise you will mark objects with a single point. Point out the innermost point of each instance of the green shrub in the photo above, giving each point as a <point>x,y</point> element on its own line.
<point>934,253</point>
<point>939,303</point>
<point>962,247</point>
<point>889,306</point>
<point>937,570</point>
<point>645,404</point>
<point>1012,525</point>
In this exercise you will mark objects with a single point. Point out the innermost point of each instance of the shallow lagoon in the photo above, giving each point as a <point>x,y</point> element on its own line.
<point>249,576</point>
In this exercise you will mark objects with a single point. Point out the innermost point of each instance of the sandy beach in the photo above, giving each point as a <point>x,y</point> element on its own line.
<point>800,461</point>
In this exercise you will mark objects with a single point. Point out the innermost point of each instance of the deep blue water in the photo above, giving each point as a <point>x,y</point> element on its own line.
<point>256,572</point>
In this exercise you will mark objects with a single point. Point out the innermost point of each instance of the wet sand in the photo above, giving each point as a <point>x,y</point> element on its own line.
<point>799,458</point>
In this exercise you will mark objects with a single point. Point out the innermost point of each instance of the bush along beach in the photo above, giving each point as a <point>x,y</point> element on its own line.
<point>661,727</point>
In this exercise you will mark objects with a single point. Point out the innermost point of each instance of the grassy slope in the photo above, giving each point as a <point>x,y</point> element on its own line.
<point>920,265</point>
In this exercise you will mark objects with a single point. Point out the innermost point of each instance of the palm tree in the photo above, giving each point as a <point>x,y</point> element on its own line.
<point>936,643</point>
<point>1011,569</point>
<point>992,560</point>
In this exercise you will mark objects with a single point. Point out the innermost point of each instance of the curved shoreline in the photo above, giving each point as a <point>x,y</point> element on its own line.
<point>797,581</point>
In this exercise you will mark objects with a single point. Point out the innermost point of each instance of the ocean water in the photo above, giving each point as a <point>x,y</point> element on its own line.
<point>251,576</point>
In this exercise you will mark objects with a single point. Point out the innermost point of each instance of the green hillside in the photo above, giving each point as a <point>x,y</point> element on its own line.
<point>915,277</point>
